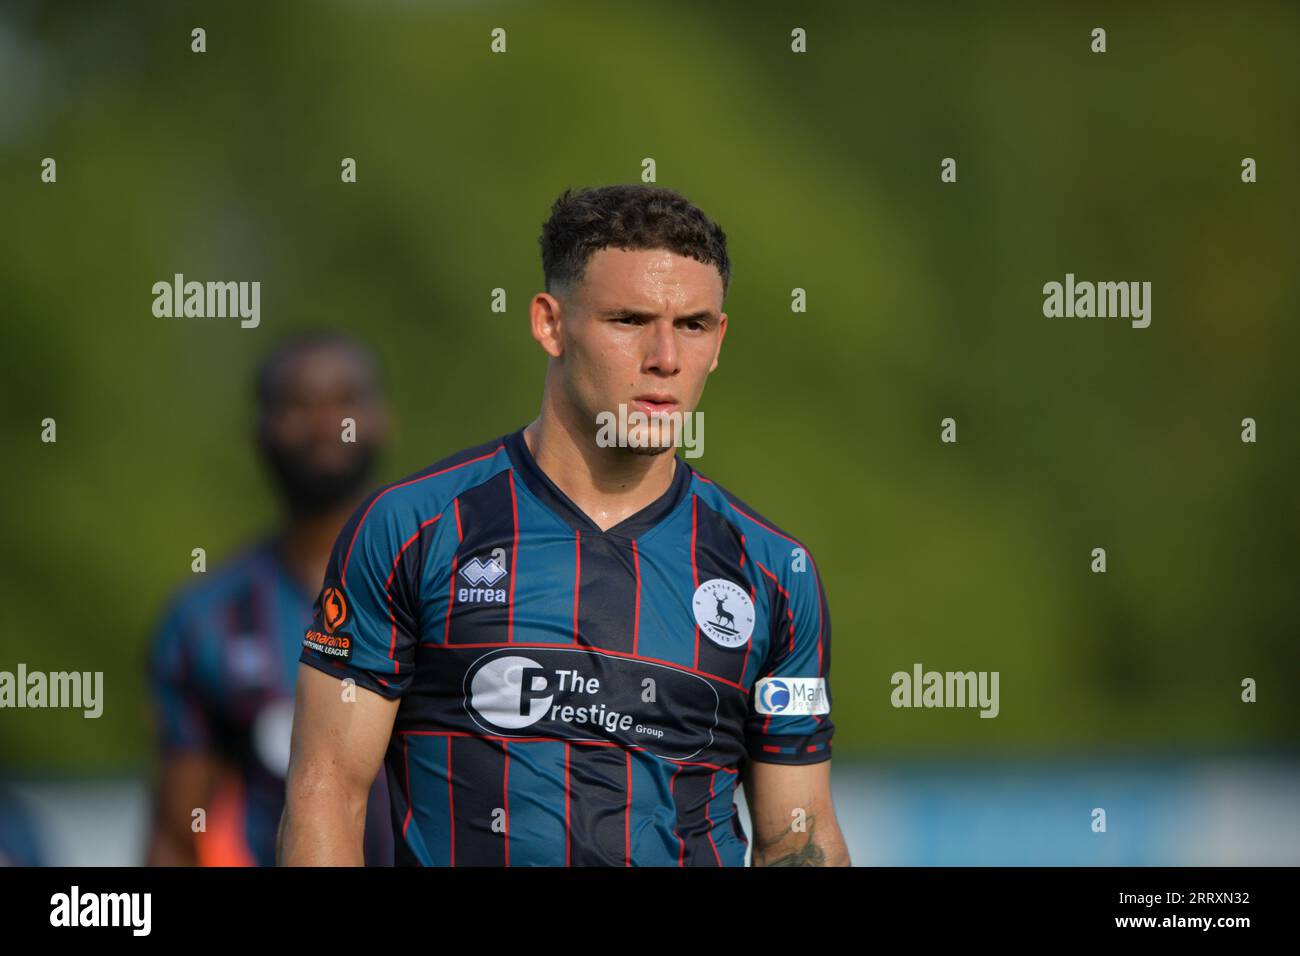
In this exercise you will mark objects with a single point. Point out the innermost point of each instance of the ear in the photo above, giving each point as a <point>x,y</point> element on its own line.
<point>547,328</point>
<point>722,334</point>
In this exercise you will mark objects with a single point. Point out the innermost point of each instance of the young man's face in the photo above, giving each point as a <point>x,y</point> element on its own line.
<point>643,329</point>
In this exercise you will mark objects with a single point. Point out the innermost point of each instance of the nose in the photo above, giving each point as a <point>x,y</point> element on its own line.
<point>326,421</point>
<point>662,357</point>
<point>322,421</point>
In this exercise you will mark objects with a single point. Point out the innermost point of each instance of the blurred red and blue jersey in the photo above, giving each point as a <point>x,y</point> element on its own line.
<point>572,696</point>
<point>20,836</point>
<point>222,667</point>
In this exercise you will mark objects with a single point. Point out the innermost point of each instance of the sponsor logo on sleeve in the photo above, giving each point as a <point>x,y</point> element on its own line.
<point>791,696</point>
<point>335,608</point>
<point>333,613</point>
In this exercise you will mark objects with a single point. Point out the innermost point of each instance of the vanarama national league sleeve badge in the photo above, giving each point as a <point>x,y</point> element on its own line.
<point>333,615</point>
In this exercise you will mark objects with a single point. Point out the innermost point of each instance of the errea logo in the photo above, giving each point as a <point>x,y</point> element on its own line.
<point>480,572</point>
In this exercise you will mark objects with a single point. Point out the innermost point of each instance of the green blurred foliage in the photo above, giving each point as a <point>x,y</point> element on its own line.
<point>924,302</point>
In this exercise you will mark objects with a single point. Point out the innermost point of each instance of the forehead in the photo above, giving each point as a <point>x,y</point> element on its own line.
<point>319,368</point>
<point>650,280</point>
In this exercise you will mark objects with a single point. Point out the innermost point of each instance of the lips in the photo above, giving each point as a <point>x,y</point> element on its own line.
<point>654,404</point>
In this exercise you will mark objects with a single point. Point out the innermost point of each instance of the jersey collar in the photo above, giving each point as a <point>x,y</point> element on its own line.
<point>550,495</point>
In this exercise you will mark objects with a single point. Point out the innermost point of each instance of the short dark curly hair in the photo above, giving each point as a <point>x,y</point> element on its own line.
<point>629,216</point>
<point>306,340</point>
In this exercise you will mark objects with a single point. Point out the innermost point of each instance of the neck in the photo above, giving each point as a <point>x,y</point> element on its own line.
<point>608,484</point>
<point>308,541</point>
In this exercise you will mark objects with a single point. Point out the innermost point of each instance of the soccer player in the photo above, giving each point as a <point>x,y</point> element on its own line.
<point>224,657</point>
<point>568,650</point>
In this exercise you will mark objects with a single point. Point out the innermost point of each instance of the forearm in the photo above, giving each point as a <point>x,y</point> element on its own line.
<point>186,781</point>
<point>323,824</point>
<point>808,840</point>
<point>793,815</point>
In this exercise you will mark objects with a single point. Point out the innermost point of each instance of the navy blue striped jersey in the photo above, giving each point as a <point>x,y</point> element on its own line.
<point>222,665</point>
<point>573,696</point>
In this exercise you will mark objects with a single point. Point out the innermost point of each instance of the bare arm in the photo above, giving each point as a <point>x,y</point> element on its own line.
<point>337,747</point>
<point>185,783</point>
<point>792,815</point>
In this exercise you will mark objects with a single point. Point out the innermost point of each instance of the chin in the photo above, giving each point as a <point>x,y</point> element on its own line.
<point>651,451</point>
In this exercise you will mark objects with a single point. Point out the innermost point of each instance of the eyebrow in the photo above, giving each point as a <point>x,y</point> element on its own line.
<point>634,314</point>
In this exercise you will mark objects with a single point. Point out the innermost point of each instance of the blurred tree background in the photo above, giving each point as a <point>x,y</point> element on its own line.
<point>924,302</point>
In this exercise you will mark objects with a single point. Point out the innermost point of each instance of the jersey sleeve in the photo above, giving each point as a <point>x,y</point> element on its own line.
<point>181,718</point>
<point>365,620</point>
<point>789,718</point>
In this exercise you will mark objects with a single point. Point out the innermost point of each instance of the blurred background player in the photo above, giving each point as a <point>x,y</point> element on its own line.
<point>224,656</point>
<point>20,837</point>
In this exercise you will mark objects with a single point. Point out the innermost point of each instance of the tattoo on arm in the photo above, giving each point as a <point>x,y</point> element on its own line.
<point>802,849</point>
